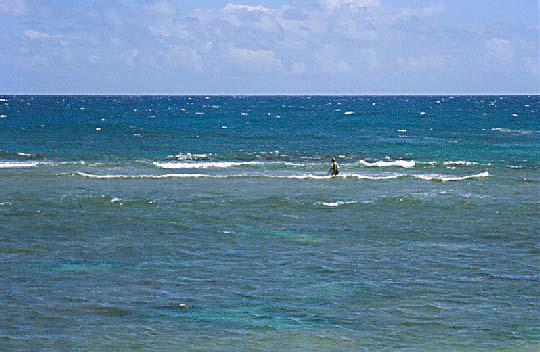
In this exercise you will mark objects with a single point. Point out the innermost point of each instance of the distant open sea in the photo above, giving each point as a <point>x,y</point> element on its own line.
<point>193,223</point>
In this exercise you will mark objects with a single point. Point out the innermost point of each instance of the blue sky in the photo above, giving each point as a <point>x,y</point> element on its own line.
<point>270,47</point>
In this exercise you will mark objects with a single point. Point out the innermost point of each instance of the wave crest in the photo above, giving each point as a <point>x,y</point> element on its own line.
<point>399,163</point>
<point>439,178</point>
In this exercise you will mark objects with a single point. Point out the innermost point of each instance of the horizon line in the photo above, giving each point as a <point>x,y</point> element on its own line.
<point>270,95</point>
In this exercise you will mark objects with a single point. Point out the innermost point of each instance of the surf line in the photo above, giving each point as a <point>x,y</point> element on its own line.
<point>426,177</point>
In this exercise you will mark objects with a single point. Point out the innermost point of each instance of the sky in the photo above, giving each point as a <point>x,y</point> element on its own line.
<point>353,47</point>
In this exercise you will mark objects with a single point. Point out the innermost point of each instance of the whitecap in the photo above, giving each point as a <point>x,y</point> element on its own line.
<point>445,178</point>
<point>26,154</point>
<point>18,164</point>
<point>460,162</point>
<point>302,177</point>
<point>348,113</point>
<point>87,175</point>
<point>440,178</point>
<point>375,178</point>
<point>506,130</point>
<point>336,204</point>
<point>398,163</point>
<point>219,164</point>
<point>188,156</point>
<point>204,164</point>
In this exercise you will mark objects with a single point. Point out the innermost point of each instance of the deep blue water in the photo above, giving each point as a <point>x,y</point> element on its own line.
<point>209,223</point>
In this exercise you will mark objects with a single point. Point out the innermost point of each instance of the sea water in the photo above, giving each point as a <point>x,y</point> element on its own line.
<point>193,223</point>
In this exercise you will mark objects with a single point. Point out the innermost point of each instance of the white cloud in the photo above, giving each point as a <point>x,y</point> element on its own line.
<point>531,66</point>
<point>33,34</point>
<point>13,7</point>
<point>168,28</point>
<point>427,63</point>
<point>254,60</point>
<point>230,7</point>
<point>329,60</point>
<point>129,56</point>
<point>252,17</point>
<point>408,14</point>
<point>499,54</point>
<point>184,56</point>
<point>93,58</point>
<point>353,4</point>
<point>163,8</point>
<point>34,61</point>
<point>298,68</point>
<point>432,10</point>
<point>370,57</point>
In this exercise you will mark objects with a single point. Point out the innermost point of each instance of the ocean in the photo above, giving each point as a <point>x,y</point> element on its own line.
<point>209,223</point>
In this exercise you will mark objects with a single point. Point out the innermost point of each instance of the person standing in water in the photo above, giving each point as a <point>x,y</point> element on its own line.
<point>334,169</point>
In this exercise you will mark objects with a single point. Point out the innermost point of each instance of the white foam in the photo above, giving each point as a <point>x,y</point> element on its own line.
<point>18,164</point>
<point>460,162</point>
<point>218,164</point>
<point>444,178</point>
<point>84,174</point>
<point>381,163</point>
<point>302,177</point>
<point>336,204</point>
<point>348,113</point>
<point>188,156</point>
<point>506,130</point>
<point>25,154</point>
<point>384,177</point>
<point>441,178</point>
<point>204,164</point>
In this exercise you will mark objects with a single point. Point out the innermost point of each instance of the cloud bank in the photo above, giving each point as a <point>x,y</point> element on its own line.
<point>326,46</point>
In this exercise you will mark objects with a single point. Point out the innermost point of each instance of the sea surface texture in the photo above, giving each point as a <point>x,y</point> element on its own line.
<point>177,223</point>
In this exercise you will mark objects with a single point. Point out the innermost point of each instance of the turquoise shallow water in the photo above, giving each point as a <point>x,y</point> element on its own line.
<point>209,223</point>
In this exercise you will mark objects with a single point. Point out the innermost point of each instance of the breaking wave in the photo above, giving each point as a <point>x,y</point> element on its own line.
<point>394,163</point>
<point>19,164</point>
<point>439,178</point>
